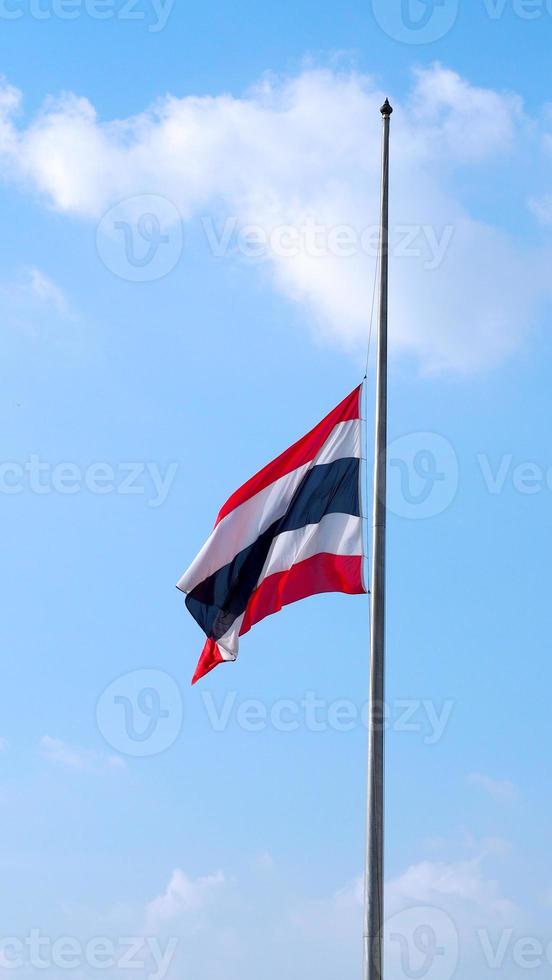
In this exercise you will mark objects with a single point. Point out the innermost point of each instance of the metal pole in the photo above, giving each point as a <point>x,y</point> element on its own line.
<point>373,923</point>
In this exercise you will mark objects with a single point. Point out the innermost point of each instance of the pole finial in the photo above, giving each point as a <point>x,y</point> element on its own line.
<point>386,108</point>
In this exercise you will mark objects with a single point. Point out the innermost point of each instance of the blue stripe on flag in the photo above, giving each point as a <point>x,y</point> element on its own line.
<point>332,488</point>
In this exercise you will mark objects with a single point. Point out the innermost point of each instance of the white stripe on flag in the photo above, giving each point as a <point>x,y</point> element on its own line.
<point>242,526</point>
<point>230,642</point>
<point>336,534</point>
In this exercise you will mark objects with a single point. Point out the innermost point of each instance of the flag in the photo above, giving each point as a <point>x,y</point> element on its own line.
<point>293,530</point>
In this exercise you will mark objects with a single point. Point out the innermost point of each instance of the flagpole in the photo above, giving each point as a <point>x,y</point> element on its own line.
<point>373,899</point>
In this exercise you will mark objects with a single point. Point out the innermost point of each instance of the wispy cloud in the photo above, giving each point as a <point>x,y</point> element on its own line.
<point>73,757</point>
<point>501,789</point>
<point>183,895</point>
<point>450,915</point>
<point>264,862</point>
<point>430,882</point>
<point>33,303</point>
<point>301,153</point>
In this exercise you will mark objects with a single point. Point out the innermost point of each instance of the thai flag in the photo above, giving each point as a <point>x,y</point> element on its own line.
<point>293,530</point>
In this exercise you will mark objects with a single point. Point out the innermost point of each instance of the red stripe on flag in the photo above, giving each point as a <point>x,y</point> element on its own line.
<point>321,573</point>
<point>300,453</point>
<point>210,658</point>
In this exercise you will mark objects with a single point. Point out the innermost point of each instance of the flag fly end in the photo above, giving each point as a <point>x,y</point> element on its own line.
<point>210,658</point>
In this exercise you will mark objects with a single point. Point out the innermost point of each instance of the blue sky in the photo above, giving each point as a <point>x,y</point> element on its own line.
<point>169,323</point>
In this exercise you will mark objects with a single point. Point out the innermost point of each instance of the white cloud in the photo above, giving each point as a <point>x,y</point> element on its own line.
<point>501,789</point>
<point>33,303</point>
<point>542,208</point>
<point>431,882</point>
<point>307,149</point>
<point>460,908</point>
<point>440,883</point>
<point>183,895</point>
<point>73,757</point>
<point>246,926</point>
<point>461,120</point>
<point>264,862</point>
<point>45,290</point>
<point>454,902</point>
